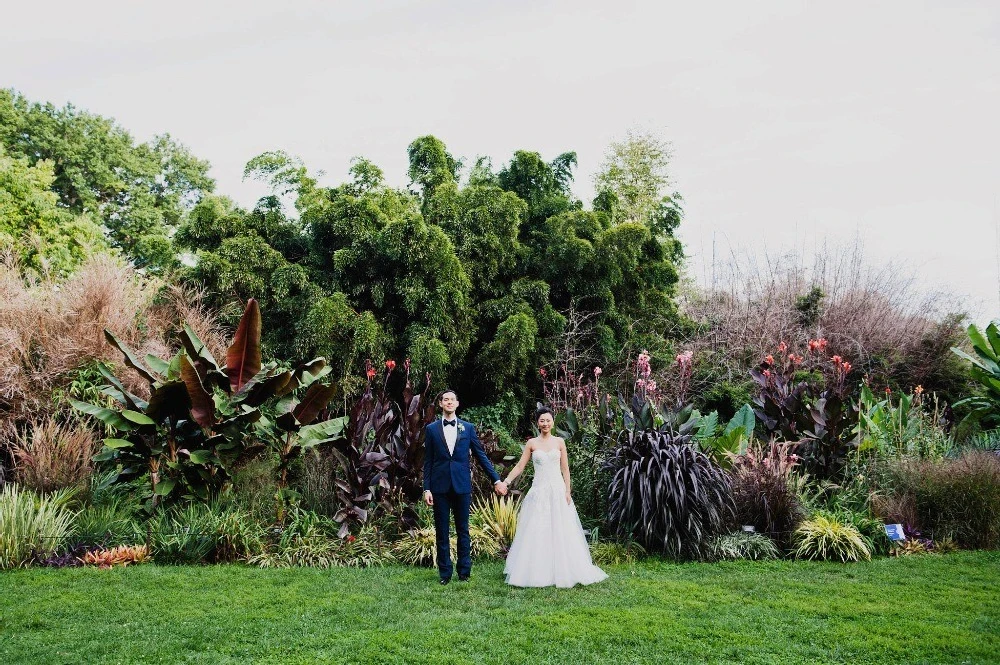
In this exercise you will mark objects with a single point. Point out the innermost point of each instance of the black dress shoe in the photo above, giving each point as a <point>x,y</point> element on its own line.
<point>463,578</point>
<point>444,580</point>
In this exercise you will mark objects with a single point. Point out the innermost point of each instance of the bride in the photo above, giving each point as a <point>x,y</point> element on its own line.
<point>549,547</point>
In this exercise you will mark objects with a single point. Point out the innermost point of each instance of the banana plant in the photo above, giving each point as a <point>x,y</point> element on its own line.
<point>196,422</point>
<point>985,370</point>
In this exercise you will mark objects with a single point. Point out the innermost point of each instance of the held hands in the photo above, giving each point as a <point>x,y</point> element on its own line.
<point>500,488</point>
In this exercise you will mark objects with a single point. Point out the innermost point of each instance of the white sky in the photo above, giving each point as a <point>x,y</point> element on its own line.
<point>792,122</point>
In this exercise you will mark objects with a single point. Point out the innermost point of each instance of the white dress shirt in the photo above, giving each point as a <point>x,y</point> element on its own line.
<point>450,434</point>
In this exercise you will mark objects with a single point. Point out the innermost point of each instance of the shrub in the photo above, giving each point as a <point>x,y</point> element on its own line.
<point>109,524</point>
<point>31,526</point>
<point>309,541</point>
<point>122,555</point>
<point>762,492</point>
<point>418,547</point>
<point>828,539</point>
<point>52,327</point>
<point>497,518</point>
<point>667,495</point>
<point>957,498</point>
<point>184,535</point>
<point>611,553</point>
<point>50,455</point>
<point>742,545</point>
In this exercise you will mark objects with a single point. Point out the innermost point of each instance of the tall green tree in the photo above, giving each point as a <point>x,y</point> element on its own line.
<point>43,236</point>
<point>138,192</point>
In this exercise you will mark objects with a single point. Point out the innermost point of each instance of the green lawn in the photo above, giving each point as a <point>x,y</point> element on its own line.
<point>936,609</point>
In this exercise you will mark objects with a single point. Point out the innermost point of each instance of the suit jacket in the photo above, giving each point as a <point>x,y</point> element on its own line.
<point>445,472</point>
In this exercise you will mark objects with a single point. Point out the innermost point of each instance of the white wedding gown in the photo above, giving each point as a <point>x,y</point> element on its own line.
<point>549,547</point>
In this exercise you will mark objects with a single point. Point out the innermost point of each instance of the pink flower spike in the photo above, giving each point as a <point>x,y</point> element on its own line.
<point>597,371</point>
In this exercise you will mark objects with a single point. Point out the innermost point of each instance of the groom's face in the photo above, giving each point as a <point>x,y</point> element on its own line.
<point>449,402</point>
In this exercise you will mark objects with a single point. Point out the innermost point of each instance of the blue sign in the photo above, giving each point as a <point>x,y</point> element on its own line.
<point>895,532</point>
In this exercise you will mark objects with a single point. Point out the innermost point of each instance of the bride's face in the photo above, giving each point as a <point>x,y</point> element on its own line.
<point>545,423</point>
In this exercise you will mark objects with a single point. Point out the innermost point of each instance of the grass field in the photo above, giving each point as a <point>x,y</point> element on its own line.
<point>933,609</point>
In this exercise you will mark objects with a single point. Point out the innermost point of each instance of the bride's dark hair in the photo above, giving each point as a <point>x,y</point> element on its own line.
<point>541,411</point>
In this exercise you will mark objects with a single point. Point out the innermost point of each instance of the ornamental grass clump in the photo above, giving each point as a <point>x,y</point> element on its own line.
<point>744,546</point>
<point>31,526</point>
<point>825,538</point>
<point>52,455</point>
<point>666,494</point>
<point>763,493</point>
<point>497,518</point>
<point>957,498</point>
<point>612,553</point>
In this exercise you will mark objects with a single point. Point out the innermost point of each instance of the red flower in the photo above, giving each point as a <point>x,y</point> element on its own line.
<point>769,359</point>
<point>597,371</point>
<point>888,390</point>
<point>767,373</point>
<point>390,365</point>
<point>837,360</point>
<point>542,371</point>
<point>351,539</point>
<point>782,347</point>
<point>846,367</point>
<point>371,373</point>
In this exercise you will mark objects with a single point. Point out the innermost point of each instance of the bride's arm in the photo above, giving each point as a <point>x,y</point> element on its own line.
<point>564,464</point>
<point>521,463</point>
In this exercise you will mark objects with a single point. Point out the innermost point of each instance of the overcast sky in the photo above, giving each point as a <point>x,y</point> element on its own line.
<point>793,123</point>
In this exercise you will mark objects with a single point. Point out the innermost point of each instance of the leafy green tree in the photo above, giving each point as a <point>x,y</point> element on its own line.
<point>43,236</point>
<point>139,192</point>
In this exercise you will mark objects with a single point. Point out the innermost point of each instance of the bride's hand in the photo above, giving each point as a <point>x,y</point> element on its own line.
<point>569,498</point>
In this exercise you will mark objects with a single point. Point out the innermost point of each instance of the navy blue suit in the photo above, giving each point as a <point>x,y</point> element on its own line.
<point>449,479</point>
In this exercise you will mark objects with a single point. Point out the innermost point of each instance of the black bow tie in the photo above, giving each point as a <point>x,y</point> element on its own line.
<point>449,422</point>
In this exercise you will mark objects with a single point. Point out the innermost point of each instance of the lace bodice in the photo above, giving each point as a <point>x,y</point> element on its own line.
<point>547,468</point>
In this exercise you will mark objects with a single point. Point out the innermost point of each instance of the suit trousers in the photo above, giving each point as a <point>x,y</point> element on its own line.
<point>446,503</point>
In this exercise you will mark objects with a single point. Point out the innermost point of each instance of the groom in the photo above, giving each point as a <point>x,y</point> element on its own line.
<point>448,482</point>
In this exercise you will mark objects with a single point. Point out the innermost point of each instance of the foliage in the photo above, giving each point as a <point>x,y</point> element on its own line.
<point>466,281</point>
<point>497,518</point>
<point>722,442</point>
<point>380,455</point>
<point>665,494</point>
<point>744,546</point>
<point>418,547</point>
<point>814,410</point>
<point>109,524</point>
<point>137,191</point>
<point>204,533</point>
<point>309,540</point>
<point>31,526</point>
<point>52,455</point>
<point>613,553</point>
<point>828,539</point>
<point>43,236</point>
<point>958,498</point>
<point>985,370</point>
<point>195,423</point>
<point>902,429</point>
<point>122,555</point>
<point>762,492</point>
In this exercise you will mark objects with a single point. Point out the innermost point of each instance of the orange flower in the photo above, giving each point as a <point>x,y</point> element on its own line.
<point>769,359</point>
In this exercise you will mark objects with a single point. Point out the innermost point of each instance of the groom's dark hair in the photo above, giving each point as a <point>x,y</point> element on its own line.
<point>440,395</point>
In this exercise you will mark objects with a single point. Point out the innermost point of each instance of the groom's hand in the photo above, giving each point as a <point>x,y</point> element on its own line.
<point>500,488</point>
<point>428,498</point>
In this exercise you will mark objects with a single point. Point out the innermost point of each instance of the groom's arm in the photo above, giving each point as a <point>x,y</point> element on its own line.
<point>484,461</point>
<point>428,458</point>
